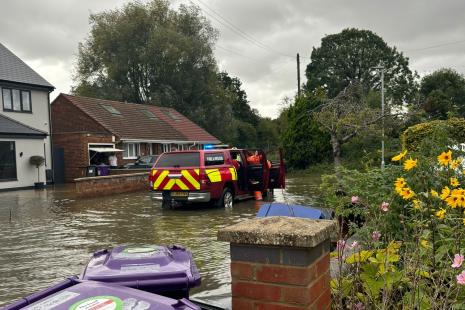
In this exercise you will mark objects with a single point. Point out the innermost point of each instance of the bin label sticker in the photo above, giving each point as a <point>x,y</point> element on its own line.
<point>99,303</point>
<point>140,268</point>
<point>53,301</point>
<point>140,249</point>
<point>134,304</point>
<point>140,252</point>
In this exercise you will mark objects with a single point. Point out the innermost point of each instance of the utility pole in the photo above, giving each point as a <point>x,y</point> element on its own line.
<point>382,120</point>
<point>381,72</point>
<point>298,75</point>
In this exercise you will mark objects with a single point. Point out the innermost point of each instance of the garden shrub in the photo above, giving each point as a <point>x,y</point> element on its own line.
<point>409,253</point>
<point>433,133</point>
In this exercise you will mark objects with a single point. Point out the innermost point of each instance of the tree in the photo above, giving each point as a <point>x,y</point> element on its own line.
<point>303,141</point>
<point>443,94</point>
<point>240,105</point>
<point>346,116</point>
<point>149,53</point>
<point>349,57</point>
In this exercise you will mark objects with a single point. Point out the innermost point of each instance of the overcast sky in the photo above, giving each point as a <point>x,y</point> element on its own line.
<point>258,38</point>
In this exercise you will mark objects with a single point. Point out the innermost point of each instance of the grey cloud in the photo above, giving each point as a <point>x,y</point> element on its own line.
<point>46,33</point>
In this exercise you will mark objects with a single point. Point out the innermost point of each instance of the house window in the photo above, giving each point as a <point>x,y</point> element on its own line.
<point>7,161</point>
<point>166,147</point>
<point>131,150</point>
<point>16,100</point>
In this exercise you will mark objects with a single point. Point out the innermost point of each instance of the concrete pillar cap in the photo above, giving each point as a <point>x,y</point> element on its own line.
<point>279,231</point>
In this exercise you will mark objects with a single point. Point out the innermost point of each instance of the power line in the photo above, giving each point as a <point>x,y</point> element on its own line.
<point>225,22</point>
<point>435,46</point>
<point>235,52</point>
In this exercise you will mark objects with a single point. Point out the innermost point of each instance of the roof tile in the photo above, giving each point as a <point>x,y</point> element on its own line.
<point>129,121</point>
<point>13,69</point>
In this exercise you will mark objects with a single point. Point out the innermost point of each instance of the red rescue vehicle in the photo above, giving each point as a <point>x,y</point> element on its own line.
<point>216,175</point>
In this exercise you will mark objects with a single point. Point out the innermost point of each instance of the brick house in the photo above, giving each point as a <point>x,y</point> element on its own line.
<point>83,126</point>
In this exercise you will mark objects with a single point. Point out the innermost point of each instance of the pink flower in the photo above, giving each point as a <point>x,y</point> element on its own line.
<point>359,306</point>
<point>384,206</point>
<point>341,244</point>
<point>375,235</point>
<point>461,278</point>
<point>355,199</point>
<point>354,245</point>
<point>458,260</point>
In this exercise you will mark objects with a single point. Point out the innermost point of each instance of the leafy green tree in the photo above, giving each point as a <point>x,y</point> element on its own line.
<point>267,134</point>
<point>346,116</point>
<point>350,55</point>
<point>240,105</point>
<point>443,94</point>
<point>150,53</point>
<point>303,141</point>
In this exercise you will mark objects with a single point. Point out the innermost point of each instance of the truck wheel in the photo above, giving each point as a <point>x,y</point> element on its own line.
<point>166,204</point>
<point>227,199</point>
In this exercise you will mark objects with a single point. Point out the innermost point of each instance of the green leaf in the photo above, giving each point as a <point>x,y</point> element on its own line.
<point>359,257</point>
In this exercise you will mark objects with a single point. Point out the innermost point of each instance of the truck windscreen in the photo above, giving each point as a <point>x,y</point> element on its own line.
<point>179,160</point>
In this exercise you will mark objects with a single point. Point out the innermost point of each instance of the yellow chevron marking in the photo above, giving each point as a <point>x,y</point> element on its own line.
<point>233,173</point>
<point>188,176</point>
<point>182,185</point>
<point>197,171</point>
<point>154,172</point>
<point>170,184</point>
<point>160,178</point>
<point>214,175</point>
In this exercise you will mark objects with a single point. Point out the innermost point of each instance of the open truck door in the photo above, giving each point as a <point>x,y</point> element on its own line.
<point>277,173</point>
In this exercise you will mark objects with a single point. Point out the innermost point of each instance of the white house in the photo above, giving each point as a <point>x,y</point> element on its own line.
<point>24,123</point>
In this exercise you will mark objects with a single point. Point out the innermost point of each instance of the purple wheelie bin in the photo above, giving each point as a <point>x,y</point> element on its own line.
<point>166,270</point>
<point>73,294</point>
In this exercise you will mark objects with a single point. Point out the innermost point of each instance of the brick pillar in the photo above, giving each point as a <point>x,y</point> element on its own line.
<point>280,263</point>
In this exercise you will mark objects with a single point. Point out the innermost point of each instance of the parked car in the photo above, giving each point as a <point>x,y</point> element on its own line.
<point>143,162</point>
<point>219,176</point>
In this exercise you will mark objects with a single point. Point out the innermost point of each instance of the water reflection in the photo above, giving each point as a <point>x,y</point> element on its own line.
<point>52,234</point>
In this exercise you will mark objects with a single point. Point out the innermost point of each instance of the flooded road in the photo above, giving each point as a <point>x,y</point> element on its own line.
<point>52,234</point>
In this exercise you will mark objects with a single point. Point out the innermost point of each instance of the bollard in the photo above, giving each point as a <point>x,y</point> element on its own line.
<point>280,263</point>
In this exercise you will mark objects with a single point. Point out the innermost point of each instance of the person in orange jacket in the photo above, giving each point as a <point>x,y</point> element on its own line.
<point>254,159</point>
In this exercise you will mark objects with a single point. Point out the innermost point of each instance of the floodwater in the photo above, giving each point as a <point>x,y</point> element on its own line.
<point>48,235</point>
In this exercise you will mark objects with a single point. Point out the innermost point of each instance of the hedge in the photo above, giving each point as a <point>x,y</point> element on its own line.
<point>424,134</point>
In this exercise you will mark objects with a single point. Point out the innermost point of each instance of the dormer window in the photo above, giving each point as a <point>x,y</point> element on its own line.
<point>16,100</point>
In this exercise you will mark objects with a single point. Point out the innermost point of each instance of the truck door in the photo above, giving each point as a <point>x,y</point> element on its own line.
<point>277,174</point>
<point>257,170</point>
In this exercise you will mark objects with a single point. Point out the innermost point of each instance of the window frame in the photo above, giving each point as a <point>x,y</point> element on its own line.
<point>15,178</point>
<point>21,91</point>
<point>135,148</point>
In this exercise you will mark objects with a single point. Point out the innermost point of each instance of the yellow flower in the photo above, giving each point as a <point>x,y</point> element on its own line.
<point>424,243</point>
<point>410,164</point>
<point>399,184</point>
<point>434,193</point>
<point>455,163</point>
<point>416,204</point>
<point>452,201</point>
<point>441,214</point>
<point>445,158</point>
<point>406,193</point>
<point>445,193</point>
<point>399,156</point>
<point>454,182</point>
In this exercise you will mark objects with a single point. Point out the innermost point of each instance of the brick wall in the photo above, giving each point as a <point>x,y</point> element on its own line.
<point>280,278</point>
<point>280,263</point>
<point>68,118</point>
<point>76,152</point>
<point>72,130</point>
<point>109,185</point>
